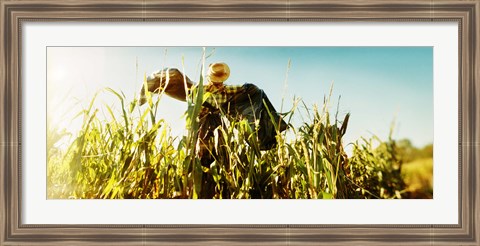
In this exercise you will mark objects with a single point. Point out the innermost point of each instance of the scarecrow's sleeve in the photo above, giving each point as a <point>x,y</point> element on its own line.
<point>169,79</point>
<point>253,104</point>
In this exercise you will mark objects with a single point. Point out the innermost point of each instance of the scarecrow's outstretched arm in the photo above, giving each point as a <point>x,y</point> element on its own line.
<point>169,79</point>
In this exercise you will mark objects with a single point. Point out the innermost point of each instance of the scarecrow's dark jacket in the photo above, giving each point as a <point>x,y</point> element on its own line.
<point>253,104</point>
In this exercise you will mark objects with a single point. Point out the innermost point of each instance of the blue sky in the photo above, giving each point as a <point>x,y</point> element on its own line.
<point>377,84</point>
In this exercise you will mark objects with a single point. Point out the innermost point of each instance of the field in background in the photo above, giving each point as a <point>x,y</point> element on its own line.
<point>133,155</point>
<point>418,176</point>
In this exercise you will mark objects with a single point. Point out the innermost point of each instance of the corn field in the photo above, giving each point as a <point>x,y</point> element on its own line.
<point>134,156</point>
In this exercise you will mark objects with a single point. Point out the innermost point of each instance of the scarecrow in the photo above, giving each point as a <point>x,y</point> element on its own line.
<point>236,101</point>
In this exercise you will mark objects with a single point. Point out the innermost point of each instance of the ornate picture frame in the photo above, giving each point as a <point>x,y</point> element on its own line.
<point>14,13</point>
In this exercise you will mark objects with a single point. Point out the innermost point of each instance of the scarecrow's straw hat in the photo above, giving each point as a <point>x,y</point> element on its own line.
<point>218,72</point>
